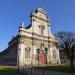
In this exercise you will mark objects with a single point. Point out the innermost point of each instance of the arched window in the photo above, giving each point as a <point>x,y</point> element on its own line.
<point>41,30</point>
<point>27,52</point>
<point>54,54</point>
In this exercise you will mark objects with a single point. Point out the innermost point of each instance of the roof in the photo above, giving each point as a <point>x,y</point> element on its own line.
<point>28,26</point>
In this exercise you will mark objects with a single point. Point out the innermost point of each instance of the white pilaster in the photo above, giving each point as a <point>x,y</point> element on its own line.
<point>34,54</point>
<point>21,54</point>
<point>48,56</point>
<point>58,56</point>
<point>51,55</point>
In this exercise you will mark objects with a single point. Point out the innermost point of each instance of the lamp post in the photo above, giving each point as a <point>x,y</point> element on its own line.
<point>38,55</point>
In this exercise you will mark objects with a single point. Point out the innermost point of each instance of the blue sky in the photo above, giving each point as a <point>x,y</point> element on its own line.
<point>60,12</point>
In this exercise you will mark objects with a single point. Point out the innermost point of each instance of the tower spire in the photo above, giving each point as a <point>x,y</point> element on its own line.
<point>22,24</point>
<point>21,29</point>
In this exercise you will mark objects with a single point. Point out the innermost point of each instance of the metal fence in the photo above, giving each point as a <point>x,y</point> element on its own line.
<point>31,71</point>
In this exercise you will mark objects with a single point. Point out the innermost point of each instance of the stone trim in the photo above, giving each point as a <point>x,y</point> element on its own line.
<point>40,18</point>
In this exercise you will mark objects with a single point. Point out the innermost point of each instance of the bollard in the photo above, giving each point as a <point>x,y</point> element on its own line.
<point>43,72</point>
<point>31,71</point>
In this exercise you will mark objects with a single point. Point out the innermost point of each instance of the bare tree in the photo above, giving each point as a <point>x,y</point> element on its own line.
<point>67,44</point>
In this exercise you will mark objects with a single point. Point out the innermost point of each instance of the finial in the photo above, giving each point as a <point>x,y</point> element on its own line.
<point>22,24</point>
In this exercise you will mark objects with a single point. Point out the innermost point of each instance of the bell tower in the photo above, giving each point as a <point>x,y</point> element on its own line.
<point>40,22</point>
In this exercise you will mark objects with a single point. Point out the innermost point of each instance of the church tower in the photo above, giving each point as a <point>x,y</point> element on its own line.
<point>40,22</point>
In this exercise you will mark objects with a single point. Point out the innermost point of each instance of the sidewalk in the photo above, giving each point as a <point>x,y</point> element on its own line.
<point>43,72</point>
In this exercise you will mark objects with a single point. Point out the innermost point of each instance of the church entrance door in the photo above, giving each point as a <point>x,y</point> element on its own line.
<point>42,58</point>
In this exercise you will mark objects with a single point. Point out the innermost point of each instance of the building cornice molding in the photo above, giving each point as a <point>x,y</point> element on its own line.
<point>40,18</point>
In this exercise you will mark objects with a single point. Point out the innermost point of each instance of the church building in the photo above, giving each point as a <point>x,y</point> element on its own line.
<point>34,44</point>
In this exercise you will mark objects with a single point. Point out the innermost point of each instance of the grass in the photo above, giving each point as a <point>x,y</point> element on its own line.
<point>13,71</point>
<point>10,71</point>
<point>62,68</point>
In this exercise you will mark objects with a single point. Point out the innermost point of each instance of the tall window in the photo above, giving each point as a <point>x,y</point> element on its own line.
<point>54,54</point>
<point>41,30</point>
<point>27,52</point>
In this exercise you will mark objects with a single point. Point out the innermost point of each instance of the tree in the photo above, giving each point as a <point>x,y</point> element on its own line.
<point>67,44</point>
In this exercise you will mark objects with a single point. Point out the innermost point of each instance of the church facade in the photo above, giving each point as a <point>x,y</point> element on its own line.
<point>34,44</point>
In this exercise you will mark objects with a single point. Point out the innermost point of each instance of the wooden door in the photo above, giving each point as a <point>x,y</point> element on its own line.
<point>42,58</point>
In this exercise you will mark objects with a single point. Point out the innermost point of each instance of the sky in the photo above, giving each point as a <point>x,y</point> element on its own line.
<point>60,12</point>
